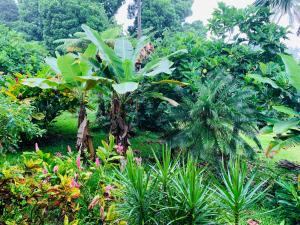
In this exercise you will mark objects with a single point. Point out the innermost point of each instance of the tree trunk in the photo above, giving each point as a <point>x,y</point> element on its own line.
<point>139,19</point>
<point>82,113</point>
<point>118,127</point>
<point>84,139</point>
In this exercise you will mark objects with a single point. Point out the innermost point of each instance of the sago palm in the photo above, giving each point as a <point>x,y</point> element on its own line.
<point>216,119</point>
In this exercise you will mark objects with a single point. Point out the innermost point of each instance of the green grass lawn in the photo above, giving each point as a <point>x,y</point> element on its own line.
<point>292,154</point>
<point>63,133</point>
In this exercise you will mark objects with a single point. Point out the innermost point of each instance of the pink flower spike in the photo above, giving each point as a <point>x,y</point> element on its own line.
<point>69,149</point>
<point>108,188</point>
<point>138,161</point>
<point>45,171</point>
<point>78,163</point>
<point>120,148</point>
<point>58,154</point>
<point>74,184</point>
<point>55,169</point>
<point>97,161</point>
<point>36,147</point>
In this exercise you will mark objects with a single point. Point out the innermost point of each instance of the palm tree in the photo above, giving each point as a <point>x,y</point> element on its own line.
<point>215,120</point>
<point>283,7</point>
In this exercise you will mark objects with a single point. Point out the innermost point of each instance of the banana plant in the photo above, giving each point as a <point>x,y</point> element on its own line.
<point>120,65</point>
<point>287,132</point>
<point>75,73</point>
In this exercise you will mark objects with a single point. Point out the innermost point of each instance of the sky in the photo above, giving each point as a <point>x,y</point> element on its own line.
<point>202,10</point>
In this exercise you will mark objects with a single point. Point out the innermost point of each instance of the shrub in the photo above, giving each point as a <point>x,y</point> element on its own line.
<point>56,189</point>
<point>18,55</point>
<point>15,122</point>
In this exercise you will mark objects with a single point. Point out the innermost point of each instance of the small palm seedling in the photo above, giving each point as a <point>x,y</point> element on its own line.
<point>237,195</point>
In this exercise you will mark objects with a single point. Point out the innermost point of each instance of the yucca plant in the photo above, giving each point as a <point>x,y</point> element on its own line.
<point>141,194</point>
<point>237,194</point>
<point>189,198</point>
<point>165,169</point>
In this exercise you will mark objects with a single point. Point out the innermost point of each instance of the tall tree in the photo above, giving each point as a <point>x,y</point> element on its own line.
<point>49,20</point>
<point>9,11</point>
<point>30,22</point>
<point>160,14</point>
<point>283,7</point>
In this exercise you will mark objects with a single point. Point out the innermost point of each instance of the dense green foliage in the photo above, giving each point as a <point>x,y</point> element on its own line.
<point>215,119</point>
<point>17,55</point>
<point>161,14</point>
<point>63,188</point>
<point>51,20</point>
<point>224,98</point>
<point>15,121</point>
<point>9,11</point>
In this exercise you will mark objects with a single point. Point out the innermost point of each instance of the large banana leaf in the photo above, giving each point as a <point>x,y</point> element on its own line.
<point>125,87</point>
<point>123,49</point>
<point>41,83</point>
<point>107,54</point>
<point>52,62</point>
<point>156,67</point>
<point>293,70</point>
<point>91,81</point>
<point>286,110</point>
<point>283,126</point>
<point>140,45</point>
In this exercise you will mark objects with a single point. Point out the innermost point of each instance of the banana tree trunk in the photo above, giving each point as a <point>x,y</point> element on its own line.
<point>118,126</point>
<point>82,113</point>
<point>84,139</point>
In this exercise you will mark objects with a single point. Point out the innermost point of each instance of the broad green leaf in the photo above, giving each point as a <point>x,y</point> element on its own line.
<point>111,33</point>
<point>293,70</point>
<point>123,48</point>
<point>283,126</point>
<point>52,62</point>
<point>286,110</point>
<point>140,45</point>
<point>264,80</point>
<point>125,87</point>
<point>266,130</point>
<point>128,68</point>
<point>91,51</point>
<point>156,67</point>
<point>92,81</point>
<point>178,52</point>
<point>162,97</point>
<point>107,54</point>
<point>176,82</point>
<point>68,67</point>
<point>40,83</point>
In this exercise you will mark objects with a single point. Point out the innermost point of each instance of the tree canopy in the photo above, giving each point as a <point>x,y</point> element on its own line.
<point>9,11</point>
<point>161,14</point>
